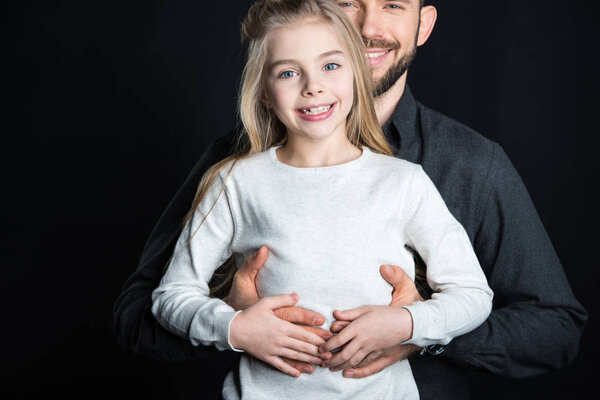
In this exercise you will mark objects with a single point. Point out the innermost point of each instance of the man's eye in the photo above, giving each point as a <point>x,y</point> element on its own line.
<point>287,74</point>
<point>345,4</point>
<point>393,6</point>
<point>331,66</point>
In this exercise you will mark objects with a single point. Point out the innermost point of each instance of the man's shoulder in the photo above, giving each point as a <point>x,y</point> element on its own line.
<point>453,141</point>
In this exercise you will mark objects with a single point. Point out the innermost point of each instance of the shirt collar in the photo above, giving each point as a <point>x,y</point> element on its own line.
<point>402,129</point>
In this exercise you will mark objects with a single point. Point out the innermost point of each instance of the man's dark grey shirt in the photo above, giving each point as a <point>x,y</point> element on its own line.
<point>536,323</point>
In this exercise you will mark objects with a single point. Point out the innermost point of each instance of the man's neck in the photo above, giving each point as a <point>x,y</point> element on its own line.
<point>386,103</point>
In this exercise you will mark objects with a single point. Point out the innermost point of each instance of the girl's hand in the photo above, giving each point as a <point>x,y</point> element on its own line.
<point>372,330</point>
<point>259,332</point>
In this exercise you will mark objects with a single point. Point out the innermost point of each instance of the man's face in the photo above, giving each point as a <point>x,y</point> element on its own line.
<point>390,31</point>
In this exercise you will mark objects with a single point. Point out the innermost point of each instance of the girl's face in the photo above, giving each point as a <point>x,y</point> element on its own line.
<point>309,80</point>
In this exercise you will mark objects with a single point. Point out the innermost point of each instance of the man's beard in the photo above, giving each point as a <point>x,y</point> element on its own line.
<point>392,75</point>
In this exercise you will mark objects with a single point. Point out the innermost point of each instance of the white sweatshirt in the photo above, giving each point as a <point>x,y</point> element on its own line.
<point>328,231</point>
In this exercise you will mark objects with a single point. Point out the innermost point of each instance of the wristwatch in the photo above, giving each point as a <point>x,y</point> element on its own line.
<point>433,349</point>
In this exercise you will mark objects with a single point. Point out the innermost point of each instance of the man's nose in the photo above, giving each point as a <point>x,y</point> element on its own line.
<point>370,25</point>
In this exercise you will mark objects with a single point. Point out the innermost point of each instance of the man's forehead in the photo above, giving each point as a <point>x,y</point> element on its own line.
<point>407,2</point>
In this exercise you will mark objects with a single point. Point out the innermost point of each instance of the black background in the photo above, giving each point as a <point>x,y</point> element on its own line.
<point>108,105</point>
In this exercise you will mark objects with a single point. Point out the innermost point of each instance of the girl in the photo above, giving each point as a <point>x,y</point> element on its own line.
<point>313,179</point>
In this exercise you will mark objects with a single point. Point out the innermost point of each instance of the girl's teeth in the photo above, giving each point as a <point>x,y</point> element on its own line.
<point>316,110</point>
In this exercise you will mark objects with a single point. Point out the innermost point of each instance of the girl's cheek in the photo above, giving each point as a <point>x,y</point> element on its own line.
<point>283,91</point>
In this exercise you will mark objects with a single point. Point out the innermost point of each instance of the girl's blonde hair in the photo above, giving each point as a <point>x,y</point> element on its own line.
<point>261,127</point>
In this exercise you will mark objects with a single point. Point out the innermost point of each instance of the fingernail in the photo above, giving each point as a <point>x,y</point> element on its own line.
<point>307,370</point>
<point>317,321</point>
<point>349,373</point>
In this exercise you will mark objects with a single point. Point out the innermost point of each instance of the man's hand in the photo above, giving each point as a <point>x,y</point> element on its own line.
<point>244,294</point>
<point>243,291</point>
<point>404,293</point>
<point>378,361</point>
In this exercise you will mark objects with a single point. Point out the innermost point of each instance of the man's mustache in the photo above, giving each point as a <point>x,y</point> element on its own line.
<point>380,44</point>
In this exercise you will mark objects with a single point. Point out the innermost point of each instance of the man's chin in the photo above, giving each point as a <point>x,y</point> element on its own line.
<point>379,87</point>
<point>392,75</point>
<point>383,85</point>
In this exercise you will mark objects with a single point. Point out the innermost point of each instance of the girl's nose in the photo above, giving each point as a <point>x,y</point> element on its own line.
<point>312,87</point>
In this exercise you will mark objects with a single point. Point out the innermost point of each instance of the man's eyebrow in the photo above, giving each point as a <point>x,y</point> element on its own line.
<point>408,2</point>
<point>292,61</point>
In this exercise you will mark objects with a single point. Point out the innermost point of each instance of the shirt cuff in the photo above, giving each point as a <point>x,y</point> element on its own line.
<point>427,330</point>
<point>222,324</point>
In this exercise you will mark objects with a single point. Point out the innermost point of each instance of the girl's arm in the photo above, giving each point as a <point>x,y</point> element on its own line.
<point>182,304</point>
<point>462,299</point>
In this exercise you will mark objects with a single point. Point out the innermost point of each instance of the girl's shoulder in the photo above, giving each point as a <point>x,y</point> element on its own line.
<point>245,167</point>
<point>388,164</point>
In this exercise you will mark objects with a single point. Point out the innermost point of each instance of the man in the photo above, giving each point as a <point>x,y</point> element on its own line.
<point>536,322</point>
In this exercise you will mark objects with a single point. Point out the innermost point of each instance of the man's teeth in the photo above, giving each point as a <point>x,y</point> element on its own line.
<point>315,110</point>
<point>375,55</point>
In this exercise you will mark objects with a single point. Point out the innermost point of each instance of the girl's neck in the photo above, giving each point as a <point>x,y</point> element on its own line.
<point>303,153</point>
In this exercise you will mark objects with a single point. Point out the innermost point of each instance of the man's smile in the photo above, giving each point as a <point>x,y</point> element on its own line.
<point>377,56</point>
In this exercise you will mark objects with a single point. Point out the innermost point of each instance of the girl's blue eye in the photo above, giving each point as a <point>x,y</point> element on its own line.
<point>287,74</point>
<point>331,66</point>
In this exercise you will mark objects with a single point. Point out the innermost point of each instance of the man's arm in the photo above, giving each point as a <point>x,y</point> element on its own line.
<point>536,322</point>
<point>135,327</point>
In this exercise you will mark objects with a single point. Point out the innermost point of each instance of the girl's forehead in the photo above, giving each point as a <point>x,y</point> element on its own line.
<point>306,37</point>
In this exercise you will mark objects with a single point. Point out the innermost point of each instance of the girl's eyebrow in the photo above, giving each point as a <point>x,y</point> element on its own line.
<point>291,61</point>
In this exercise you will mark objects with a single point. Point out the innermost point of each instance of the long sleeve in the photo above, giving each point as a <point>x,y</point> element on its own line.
<point>181,303</point>
<point>462,299</point>
<point>136,329</point>
<point>536,323</point>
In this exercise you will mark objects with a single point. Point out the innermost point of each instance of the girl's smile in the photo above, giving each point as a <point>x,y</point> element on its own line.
<point>317,112</point>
